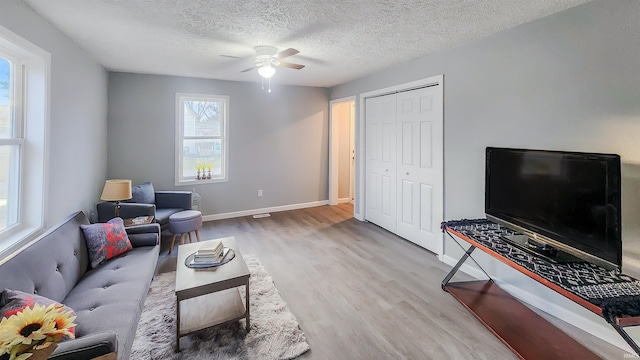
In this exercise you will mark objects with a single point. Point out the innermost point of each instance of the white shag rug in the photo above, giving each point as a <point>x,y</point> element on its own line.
<point>275,333</point>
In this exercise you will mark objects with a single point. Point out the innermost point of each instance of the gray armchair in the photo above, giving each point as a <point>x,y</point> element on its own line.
<point>145,202</point>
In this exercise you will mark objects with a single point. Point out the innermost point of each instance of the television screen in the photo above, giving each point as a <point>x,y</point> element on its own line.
<point>572,198</point>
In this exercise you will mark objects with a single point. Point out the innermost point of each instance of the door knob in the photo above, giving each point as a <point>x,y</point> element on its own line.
<point>407,173</point>
<point>387,170</point>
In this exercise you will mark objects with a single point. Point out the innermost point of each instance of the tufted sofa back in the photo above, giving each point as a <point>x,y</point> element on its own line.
<point>52,265</point>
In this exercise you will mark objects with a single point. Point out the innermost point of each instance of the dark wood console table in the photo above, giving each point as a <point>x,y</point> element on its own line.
<point>526,333</point>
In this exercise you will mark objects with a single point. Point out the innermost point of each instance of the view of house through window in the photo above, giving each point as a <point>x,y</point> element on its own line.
<point>9,147</point>
<point>202,138</point>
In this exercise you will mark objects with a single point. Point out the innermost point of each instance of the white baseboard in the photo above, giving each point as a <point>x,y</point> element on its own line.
<point>344,200</point>
<point>594,325</point>
<point>250,212</point>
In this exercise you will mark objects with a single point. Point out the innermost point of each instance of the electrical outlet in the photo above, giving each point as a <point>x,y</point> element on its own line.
<point>260,193</point>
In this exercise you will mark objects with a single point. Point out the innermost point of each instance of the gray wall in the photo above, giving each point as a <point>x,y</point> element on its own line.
<point>278,141</point>
<point>569,81</point>
<point>78,105</point>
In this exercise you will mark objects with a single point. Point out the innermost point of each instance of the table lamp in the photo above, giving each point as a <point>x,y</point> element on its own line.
<point>116,190</point>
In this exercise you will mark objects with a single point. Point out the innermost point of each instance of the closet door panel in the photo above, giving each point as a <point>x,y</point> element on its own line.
<point>388,207</point>
<point>419,125</point>
<point>426,208</point>
<point>374,195</point>
<point>373,133</point>
<point>381,153</point>
<point>373,156</point>
<point>406,202</point>
<point>426,151</point>
<point>407,144</point>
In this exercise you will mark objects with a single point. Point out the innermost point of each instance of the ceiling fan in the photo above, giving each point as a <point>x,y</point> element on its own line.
<point>268,57</point>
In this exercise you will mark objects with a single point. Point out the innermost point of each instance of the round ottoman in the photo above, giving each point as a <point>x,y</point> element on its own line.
<point>184,222</point>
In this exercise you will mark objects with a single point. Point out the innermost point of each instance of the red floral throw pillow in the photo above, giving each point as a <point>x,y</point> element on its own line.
<point>14,301</point>
<point>105,240</point>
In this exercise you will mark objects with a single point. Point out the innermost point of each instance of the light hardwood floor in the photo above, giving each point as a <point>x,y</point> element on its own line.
<point>360,292</point>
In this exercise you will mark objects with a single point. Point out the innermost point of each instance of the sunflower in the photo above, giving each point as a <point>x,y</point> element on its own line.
<point>29,325</point>
<point>63,325</point>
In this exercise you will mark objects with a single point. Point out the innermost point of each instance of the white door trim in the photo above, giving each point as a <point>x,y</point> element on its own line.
<point>352,149</point>
<point>333,150</point>
<point>359,208</point>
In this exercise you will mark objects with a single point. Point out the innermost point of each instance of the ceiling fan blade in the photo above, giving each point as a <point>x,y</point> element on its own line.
<point>286,52</point>
<point>291,65</point>
<point>231,56</point>
<point>249,69</point>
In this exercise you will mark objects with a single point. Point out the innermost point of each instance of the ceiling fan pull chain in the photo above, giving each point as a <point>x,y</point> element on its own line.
<point>269,84</point>
<point>262,83</point>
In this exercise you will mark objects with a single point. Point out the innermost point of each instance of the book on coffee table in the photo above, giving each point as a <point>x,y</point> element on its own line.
<point>210,250</point>
<point>209,261</point>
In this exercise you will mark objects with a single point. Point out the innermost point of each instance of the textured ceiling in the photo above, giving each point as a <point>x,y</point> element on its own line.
<point>339,40</point>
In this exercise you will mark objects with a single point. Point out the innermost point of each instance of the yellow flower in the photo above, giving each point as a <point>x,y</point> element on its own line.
<point>63,325</point>
<point>29,325</point>
<point>22,332</point>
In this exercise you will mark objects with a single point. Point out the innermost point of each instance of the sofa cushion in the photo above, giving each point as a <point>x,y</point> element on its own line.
<point>14,301</point>
<point>143,193</point>
<point>162,215</point>
<point>111,297</point>
<point>106,240</point>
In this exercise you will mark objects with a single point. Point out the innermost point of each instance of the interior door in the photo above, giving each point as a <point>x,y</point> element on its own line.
<point>420,176</point>
<point>380,179</point>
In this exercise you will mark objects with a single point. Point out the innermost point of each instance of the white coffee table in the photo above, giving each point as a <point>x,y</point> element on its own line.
<point>208,297</point>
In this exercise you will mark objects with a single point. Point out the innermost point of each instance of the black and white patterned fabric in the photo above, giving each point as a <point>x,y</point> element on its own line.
<point>591,282</point>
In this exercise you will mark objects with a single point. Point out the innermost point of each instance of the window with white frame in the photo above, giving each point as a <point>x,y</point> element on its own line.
<point>24,78</point>
<point>202,138</point>
<point>11,140</point>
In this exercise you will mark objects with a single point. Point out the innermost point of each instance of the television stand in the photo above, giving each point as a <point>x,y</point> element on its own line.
<point>610,294</point>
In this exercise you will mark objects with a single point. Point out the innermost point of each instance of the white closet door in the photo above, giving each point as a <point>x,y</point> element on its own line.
<point>380,186</point>
<point>420,177</point>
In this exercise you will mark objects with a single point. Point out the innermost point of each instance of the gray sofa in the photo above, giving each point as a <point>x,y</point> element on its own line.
<point>108,300</point>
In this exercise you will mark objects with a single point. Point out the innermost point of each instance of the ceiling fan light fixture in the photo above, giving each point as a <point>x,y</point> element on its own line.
<point>266,70</point>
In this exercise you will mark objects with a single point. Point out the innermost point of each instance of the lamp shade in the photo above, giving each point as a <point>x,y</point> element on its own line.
<point>116,190</point>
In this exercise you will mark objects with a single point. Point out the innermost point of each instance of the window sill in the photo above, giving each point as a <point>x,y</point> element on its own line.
<point>17,241</point>
<point>198,182</point>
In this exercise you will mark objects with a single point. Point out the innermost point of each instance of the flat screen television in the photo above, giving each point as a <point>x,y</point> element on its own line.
<point>568,201</point>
